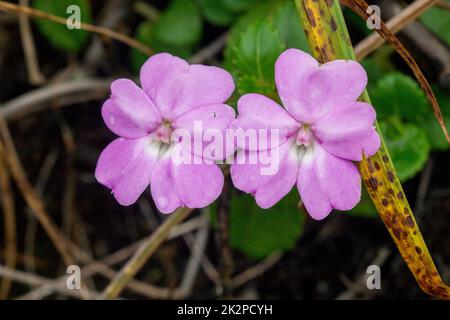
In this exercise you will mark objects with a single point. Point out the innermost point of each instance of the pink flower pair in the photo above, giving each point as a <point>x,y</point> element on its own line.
<point>323,129</point>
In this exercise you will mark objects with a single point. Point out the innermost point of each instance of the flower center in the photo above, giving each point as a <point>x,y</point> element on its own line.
<point>304,136</point>
<point>164,132</point>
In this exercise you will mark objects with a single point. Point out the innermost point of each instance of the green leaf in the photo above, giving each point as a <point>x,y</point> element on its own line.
<point>257,232</point>
<point>60,35</point>
<point>179,25</point>
<point>398,95</point>
<point>438,20</point>
<point>365,208</point>
<point>216,12</point>
<point>258,13</point>
<point>355,21</point>
<point>431,126</point>
<point>408,145</point>
<point>238,5</point>
<point>287,23</point>
<point>253,56</point>
<point>373,70</point>
<point>378,65</point>
<point>434,132</point>
<point>256,41</point>
<point>143,34</point>
<point>178,30</point>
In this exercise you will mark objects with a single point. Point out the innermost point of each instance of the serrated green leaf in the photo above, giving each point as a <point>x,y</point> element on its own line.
<point>60,35</point>
<point>438,20</point>
<point>253,58</point>
<point>398,95</point>
<point>216,12</point>
<point>179,25</point>
<point>408,146</point>
<point>260,12</point>
<point>257,232</point>
<point>255,42</point>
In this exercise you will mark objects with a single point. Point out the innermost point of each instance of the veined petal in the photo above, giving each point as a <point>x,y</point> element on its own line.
<point>207,124</point>
<point>129,112</point>
<point>348,132</point>
<point>177,87</point>
<point>263,116</point>
<point>309,90</point>
<point>269,183</point>
<point>326,182</point>
<point>313,196</point>
<point>125,166</point>
<point>162,185</point>
<point>194,185</point>
<point>198,185</point>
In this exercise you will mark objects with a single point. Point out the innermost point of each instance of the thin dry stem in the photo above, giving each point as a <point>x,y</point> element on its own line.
<point>14,8</point>
<point>397,23</point>
<point>34,73</point>
<point>35,280</point>
<point>9,221</point>
<point>442,4</point>
<point>8,151</point>
<point>145,251</point>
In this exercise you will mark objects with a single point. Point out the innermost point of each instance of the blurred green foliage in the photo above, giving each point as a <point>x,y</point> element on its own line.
<point>438,20</point>
<point>223,12</point>
<point>177,30</point>
<point>59,35</point>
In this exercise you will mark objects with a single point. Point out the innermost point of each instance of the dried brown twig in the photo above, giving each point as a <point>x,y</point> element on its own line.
<point>35,280</point>
<point>8,151</point>
<point>9,221</point>
<point>256,271</point>
<point>102,266</point>
<point>432,53</point>
<point>17,9</point>
<point>145,251</point>
<point>34,73</point>
<point>59,94</point>
<point>410,13</point>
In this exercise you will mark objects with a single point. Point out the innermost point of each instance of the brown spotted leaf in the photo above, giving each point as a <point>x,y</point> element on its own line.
<point>329,40</point>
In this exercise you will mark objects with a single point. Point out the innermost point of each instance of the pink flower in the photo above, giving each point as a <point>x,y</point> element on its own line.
<point>322,130</point>
<point>174,95</point>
